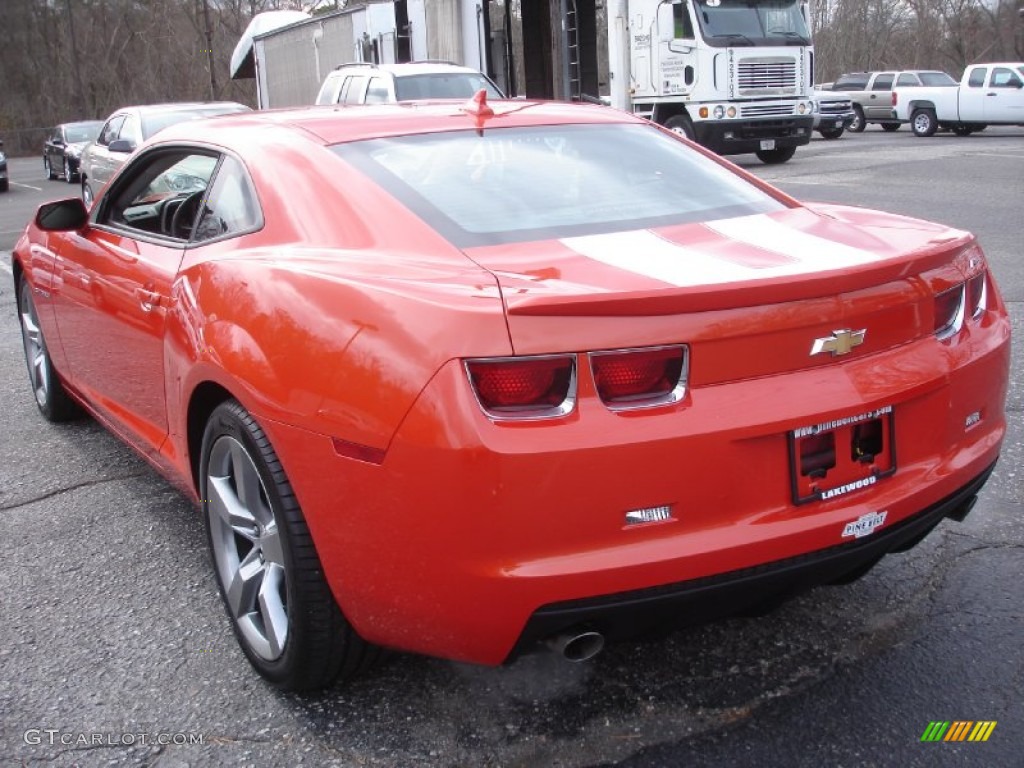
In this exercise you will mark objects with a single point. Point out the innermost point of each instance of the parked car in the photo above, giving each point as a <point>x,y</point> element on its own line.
<point>871,93</point>
<point>988,94</point>
<point>477,381</point>
<point>383,83</point>
<point>833,113</point>
<point>4,180</point>
<point>62,151</point>
<point>127,128</point>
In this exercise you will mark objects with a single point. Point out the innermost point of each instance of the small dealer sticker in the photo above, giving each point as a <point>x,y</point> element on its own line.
<point>864,525</point>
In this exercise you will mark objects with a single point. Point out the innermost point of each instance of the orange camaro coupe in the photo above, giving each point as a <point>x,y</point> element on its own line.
<point>473,379</point>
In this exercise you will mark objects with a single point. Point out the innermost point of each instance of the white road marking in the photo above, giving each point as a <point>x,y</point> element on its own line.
<point>27,186</point>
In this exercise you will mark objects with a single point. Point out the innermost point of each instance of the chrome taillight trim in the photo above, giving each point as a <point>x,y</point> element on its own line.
<point>957,323</point>
<point>677,393</point>
<point>528,414</point>
<point>983,299</point>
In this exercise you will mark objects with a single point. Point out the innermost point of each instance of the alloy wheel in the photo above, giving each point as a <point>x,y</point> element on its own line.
<point>35,347</point>
<point>247,548</point>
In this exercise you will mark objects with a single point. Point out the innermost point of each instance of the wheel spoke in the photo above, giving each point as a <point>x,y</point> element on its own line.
<point>247,483</point>
<point>270,543</point>
<point>245,584</point>
<point>229,509</point>
<point>272,608</point>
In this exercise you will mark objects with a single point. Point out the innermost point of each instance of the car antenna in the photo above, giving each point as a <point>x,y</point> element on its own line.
<point>479,109</point>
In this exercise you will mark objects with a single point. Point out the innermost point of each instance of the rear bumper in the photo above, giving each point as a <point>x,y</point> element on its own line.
<point>629,614</point>
<point>734,137</point>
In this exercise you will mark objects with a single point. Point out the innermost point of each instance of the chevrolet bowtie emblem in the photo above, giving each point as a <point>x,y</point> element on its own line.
<point>839,343</point>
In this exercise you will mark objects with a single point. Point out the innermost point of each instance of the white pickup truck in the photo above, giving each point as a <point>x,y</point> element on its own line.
<point>988,94</point>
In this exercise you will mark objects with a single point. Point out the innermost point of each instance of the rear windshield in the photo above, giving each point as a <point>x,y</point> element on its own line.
<point>544,182</point>
<point>442,85</point>
<point>82,132</point>
<point>157,121</point>
<point>937,79</point>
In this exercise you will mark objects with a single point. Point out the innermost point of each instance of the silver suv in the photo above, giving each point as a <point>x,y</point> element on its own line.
<point>382,83</point>
<point>871,93</point>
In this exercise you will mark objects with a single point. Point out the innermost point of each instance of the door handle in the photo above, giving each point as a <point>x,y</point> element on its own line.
<point>149,300</point>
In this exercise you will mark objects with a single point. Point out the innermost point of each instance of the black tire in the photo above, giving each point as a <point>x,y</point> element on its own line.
<point>318,646</point>
<point>3,185</point>
<point>775,156</point>
<point>831,133</point>
<point>890,127</point>
<point>87,193</point>
<point>682,125</point>
<point>859,124</point>
<point>52,399</point>
<point>962,130</point>
<point>48,168</point>
<point>923,122</point>
<point>70,176</point>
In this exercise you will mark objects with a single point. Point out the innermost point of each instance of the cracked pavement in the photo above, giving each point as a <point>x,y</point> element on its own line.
<point>113,625</point>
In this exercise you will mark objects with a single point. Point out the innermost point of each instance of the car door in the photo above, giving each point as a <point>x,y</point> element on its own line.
<point>1004,99</point>
<point>879,102</point>
<point>116,280</point>
<point>971,98</point>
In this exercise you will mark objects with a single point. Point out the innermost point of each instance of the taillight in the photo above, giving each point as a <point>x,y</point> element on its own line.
<point>640,378</point>
<point>949,312</point>
<point>977,295</point>
<point>538,387</point>
<point>894,99</point>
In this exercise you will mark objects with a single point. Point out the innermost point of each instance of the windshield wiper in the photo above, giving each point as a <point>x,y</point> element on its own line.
<point>736,36</point>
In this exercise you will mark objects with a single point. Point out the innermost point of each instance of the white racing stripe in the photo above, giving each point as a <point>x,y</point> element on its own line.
<point>815,254</point>
<point>645,253</point>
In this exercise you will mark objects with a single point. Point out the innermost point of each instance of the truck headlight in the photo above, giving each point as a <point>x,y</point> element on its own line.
<point>719,112</point>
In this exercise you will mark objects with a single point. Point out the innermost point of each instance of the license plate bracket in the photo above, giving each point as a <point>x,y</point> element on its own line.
<point>767,143</point>
<point>834,458</point>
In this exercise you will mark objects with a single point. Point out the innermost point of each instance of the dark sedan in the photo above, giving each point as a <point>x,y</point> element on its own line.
<point>62,151</point>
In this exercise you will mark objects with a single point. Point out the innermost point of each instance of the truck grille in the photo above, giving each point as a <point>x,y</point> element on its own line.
<point>760,110</point>
<point>776,75</point>
<point>835,107</point>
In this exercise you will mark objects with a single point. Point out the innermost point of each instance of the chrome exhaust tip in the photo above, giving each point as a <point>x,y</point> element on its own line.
<point>577,647</point>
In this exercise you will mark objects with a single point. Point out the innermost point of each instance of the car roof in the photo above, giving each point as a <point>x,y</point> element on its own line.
<point>182,106</point>
<point>410,68</point>
<point>340,124</point>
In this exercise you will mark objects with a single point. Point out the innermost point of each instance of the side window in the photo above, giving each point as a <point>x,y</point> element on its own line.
<point>1005,78</point>
<point>977,79</point>
<point>130,130</point>
<point>231,207</point>
<point>355,87</point>
<point>110,130</point>
<point>683,23</point>
<point>906,79</point>
<point>159,193</point>
<point>377,92</point>
<point>883,83</point>
<point>329,91</point>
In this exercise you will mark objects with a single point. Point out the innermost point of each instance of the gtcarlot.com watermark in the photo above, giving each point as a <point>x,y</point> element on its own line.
<point>52,737</point>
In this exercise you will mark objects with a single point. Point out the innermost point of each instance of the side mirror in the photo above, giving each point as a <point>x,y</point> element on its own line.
<point>122,145</point>
<point>62,215</point>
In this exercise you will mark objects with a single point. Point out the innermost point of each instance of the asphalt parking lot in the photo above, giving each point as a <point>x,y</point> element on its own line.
<point>114,649</point>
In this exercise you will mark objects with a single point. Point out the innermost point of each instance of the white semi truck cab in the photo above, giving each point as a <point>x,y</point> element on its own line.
<point>734,75</point>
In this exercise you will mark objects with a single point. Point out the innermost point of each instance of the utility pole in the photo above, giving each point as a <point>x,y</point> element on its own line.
<point>209,50</point>
<point>84,110</point>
